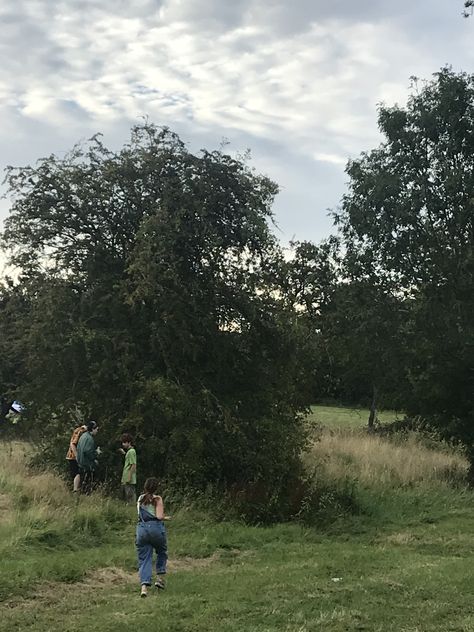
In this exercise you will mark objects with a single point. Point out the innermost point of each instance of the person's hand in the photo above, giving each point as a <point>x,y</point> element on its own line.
<point>98,451</point>
<point>166,517</point>
<point>121,450</point>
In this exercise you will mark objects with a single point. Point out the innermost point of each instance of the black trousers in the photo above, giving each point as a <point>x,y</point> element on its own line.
<point>87,481</point>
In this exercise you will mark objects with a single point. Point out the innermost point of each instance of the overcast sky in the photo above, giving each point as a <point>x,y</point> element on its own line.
<point>296,82</point>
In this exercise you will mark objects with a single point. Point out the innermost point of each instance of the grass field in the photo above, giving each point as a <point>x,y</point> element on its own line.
<point>402,563</point>
<point>339,417</point>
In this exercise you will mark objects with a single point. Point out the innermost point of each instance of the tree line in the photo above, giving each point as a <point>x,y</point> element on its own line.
<point>152,295</point>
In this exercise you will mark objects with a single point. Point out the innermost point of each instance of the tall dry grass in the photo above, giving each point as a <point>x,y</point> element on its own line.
<point>39,504</point>
<point>41,488</point>
<point>376,461</point>
<point>32,499</point>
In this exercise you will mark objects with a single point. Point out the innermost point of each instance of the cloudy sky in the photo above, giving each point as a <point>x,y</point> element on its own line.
<point>297,82</point>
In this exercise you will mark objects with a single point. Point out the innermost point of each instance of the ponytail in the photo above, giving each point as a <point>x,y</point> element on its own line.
<point>149,491</point>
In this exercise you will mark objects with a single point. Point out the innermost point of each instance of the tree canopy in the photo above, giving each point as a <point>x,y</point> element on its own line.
<point>153,295</point>
<point>153,305</point>
<point>408,222</point>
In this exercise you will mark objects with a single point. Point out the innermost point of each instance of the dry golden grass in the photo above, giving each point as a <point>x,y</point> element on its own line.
<point>57,594</point>
<point>5,509</point>
<point>42,488</point>
<point>373,460</point>
<point>111,579</point>
<point>34,501</point>
<point>29,498</point>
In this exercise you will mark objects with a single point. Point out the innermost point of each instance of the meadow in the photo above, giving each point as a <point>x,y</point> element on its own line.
<point>400,561</point>
<point>341,417</point>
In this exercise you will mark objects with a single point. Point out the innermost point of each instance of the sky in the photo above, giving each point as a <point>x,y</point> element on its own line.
<point>297,83</point>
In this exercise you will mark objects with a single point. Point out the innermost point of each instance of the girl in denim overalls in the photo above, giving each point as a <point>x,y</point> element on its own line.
<point>151,535</point>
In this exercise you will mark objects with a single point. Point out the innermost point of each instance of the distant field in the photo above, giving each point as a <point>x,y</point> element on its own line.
<point>339,417</point>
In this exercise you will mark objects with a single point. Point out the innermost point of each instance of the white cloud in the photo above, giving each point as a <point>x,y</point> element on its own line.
<point>301,77</point>
<point>331,158</point>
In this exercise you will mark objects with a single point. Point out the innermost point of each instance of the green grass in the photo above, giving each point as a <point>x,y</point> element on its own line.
<point>401,565</point>
<point>340,417</point>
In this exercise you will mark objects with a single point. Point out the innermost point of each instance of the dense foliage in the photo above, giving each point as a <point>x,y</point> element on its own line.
<point>389,304</point>
<point>408,221</point>
<point>148,300</point>
<point>153,296</point>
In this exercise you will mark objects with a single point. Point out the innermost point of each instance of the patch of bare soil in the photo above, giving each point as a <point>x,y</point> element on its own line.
<point>401,538</point>
<point>108,576</point>
<point>192,563</point>
<point>95,582</point>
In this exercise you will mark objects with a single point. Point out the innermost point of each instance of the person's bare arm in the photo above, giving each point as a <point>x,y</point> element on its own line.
<point>159,508</point>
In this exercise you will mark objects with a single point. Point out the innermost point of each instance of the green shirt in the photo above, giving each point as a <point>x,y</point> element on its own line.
<point>86,452</point>
<point>130,459</point>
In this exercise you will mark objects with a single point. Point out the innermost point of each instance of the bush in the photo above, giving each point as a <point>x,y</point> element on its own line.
<point>327,500</point>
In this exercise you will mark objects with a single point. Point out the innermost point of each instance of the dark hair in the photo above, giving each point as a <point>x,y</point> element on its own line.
<point>91,425</point>
<point>149,490</point>
<point>126,438</point>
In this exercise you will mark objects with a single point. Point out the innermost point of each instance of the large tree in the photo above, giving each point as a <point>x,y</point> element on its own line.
<point>408,220</point>
<point>156,305</point>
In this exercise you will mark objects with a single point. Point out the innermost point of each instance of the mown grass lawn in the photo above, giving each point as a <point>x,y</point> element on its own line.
<point>402,564</point>
<point>412,575</point>
<point>350,418</point>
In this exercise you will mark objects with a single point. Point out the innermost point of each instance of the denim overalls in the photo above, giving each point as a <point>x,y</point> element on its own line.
<point>151,535</point>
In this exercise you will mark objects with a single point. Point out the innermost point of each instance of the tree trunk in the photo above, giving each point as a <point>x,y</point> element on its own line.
<point>373,410</point>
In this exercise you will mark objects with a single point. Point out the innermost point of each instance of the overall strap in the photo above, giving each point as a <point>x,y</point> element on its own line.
<point>143,514</point>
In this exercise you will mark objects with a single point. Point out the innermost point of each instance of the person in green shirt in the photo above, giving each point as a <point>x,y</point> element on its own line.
<point>129,474</point>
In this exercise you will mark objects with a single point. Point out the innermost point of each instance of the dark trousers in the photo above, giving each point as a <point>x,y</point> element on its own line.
<point>129,493</point>
<point>87,481</point>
